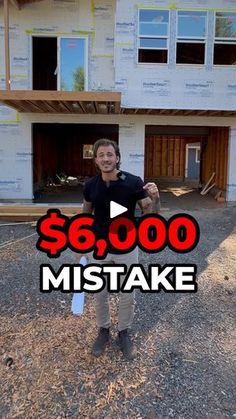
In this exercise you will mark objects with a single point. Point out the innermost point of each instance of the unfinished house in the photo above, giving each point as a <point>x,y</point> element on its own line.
<point>158,77</point>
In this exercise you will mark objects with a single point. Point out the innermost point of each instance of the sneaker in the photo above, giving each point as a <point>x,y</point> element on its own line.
<point>101,341</point>
<point>126,345</point>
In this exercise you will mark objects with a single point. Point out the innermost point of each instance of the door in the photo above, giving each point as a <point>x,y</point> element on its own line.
<point>72,59</point>
<point>193,163</point>
<point>44,63</point>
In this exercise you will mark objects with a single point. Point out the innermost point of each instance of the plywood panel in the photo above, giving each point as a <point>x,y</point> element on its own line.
<point>164,156</point>
<point>215,157</point>
<point>177,157</point>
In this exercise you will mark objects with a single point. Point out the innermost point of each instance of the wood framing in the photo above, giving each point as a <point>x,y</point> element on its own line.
<point>164,156</point>
<point>64,102</point>
<point>44,101</point>
<point>16,4</point>
<point>177,112</point>
<point>33,212</point>
<point>215,157</point>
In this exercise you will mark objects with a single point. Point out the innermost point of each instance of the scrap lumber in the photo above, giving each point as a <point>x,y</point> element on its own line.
<point>203,192</point>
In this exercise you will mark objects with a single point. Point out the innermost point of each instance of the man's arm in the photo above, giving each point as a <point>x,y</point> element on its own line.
<point>87,207</point>
<point>151,204</point>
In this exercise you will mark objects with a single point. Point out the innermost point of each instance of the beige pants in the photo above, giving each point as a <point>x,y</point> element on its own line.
<point>126,300</point>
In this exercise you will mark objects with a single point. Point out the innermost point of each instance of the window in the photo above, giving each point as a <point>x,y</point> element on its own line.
<point>87,151</point>
<point>153,36</point>
<point>191,37</point>
<point>225,38</point>
<point>197,157</point>
<point>73,69</point>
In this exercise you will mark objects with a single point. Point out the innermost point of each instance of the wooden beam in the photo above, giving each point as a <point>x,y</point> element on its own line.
<point>57,95</point>
<point>175,111</point>
<point>199,113</point>
<point>15,3</point>
<point>16,105</point>
<point>117,107</point>
<point>95,107</point>
<point>188,112</point>
<point>82,107</point>
<point>7,51</point>
<point>63,106</point>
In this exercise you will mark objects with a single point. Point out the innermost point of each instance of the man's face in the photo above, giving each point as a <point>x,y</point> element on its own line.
<point>106,158</point>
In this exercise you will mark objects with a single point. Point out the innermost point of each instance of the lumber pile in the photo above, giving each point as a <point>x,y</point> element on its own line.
<point>33,212</point>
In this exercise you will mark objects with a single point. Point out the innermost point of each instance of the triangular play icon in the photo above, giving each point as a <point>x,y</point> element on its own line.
<point>116,209</point>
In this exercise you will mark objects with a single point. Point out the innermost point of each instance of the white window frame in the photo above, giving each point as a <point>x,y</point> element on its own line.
<point>223,41</point>
<point>191,39</point>
<point>85,58</point>
<point>167,37</point>
<point>197,158</point>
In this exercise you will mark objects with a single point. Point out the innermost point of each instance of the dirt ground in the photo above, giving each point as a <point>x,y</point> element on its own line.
<point>185,366</point>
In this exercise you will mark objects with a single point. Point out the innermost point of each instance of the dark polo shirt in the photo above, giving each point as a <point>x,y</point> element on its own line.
<point>126,191</point>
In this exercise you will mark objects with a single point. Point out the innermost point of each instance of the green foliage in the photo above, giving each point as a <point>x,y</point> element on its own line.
<point>78,79</point>
<point>224,27</point>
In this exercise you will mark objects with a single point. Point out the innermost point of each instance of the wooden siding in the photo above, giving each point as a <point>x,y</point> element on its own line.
<point>164,156</point>
<point>215,157</point>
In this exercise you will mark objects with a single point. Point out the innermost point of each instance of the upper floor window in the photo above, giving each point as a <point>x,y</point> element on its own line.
<point>225,38</point>
<point>72,68</point>
<point>191,37</point>
<point>153,36</point>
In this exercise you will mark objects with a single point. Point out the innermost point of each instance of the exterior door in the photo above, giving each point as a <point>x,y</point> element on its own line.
<point>193,163</point>
<point>72,62</point>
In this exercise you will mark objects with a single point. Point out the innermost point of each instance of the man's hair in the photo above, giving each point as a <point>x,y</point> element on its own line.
<point>106,142</point>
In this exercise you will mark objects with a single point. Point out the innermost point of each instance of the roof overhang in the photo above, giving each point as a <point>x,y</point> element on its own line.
<point>43,101</point>
<point>177,112</point>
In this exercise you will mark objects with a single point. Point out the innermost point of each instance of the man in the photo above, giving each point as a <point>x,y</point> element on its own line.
<point>111,184</point>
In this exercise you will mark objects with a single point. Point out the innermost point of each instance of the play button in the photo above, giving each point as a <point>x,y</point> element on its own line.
<point>116,209</point>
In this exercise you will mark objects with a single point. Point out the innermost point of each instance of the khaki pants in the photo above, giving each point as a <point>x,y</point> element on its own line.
<point>126,300</point>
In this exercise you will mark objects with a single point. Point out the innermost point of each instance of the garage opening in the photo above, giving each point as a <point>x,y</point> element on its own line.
<point>62,159</point>
<point>188,163</point>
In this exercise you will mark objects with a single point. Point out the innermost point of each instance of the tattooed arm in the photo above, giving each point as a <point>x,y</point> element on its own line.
<point>151,204</point>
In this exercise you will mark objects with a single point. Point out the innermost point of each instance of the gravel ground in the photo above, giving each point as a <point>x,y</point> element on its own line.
<point>185,366</point>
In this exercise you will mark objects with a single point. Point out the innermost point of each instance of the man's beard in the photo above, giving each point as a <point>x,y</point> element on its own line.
<point>108,168</point>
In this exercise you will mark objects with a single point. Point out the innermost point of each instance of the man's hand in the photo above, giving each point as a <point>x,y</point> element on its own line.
<point>152,202</point>
<point>152,190</point>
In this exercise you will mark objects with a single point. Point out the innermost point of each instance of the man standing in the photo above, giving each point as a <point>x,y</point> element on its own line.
<point>112,184</point>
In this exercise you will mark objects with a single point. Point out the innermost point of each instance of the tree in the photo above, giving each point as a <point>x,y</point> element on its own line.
<point>224,26</point>
<point>78,79</point>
